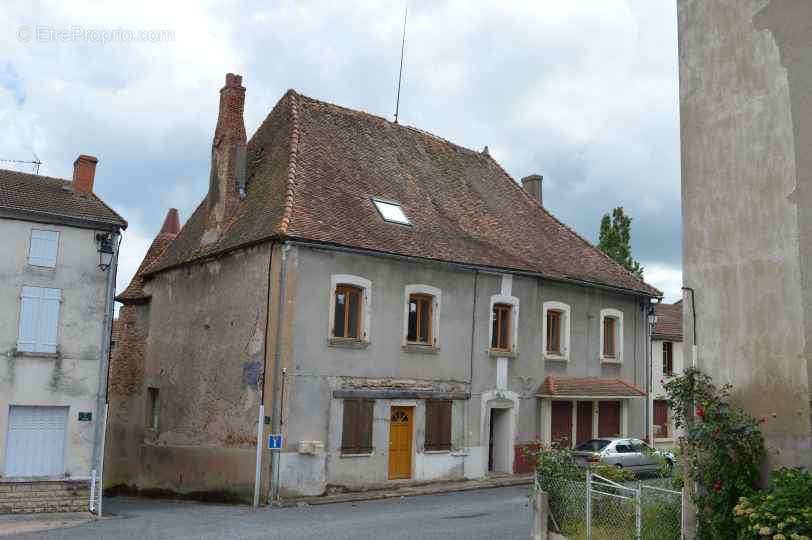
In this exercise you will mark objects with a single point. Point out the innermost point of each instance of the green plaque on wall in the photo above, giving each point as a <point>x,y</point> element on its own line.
<point>85,416</point>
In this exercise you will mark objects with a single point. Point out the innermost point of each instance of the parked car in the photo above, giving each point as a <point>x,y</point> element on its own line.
<point>632,454</point>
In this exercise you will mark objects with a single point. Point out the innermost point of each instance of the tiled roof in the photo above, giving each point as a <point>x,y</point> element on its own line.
<point>52,196</point>
<point>116,331</point>
<point>134,293</point>
<point>586,387</point>
<point>314,167</point>
<point>669,322</point>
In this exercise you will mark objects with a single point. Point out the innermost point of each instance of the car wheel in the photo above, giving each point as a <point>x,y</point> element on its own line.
<point>669,467</point>
<point>618,465</point>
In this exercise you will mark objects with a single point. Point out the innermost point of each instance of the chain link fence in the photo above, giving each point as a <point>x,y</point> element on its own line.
<point>600,509</point>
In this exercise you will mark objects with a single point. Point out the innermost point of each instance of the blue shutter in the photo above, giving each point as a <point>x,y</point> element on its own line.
<point>39,319</point>
<point>43,249</point>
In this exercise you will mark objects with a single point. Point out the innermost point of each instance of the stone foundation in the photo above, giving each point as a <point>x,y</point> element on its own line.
<point>26,497</point>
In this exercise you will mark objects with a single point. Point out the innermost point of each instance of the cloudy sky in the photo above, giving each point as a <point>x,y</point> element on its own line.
<point>584,92</point>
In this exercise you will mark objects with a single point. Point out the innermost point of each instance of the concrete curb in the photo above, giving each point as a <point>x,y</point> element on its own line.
<point>407,491</point>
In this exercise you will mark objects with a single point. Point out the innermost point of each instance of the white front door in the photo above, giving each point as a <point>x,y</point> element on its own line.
<point>35,445</point>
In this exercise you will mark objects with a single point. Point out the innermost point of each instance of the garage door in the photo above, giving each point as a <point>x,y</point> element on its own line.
<point>35,445</point>
<point>609,419</point>
<point>561,428</point>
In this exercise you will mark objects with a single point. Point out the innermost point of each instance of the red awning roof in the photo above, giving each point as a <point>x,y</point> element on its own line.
<point>587,387</point>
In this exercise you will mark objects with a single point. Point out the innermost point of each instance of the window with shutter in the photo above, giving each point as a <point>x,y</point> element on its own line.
<point>668,358</point>
<point>39,320</point>
<point>500,333</point>
<point>438,425</point>
<point>356,432</point>
<point>43,248</point>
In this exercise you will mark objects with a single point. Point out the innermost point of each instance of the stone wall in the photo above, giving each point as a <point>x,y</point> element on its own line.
<point>45,496</point>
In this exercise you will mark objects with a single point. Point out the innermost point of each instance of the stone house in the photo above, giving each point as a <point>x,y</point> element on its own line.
<point>56,300</point>
<point>395,305</point>
<point>666,355</point>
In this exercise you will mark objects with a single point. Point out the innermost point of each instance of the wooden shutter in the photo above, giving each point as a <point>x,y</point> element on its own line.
<point>39,319</point>
<point>43,248</point>
<point>438,425</point>
<point>356,433</point>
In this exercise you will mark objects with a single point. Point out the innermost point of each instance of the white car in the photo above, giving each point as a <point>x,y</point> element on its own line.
<point>632,454</point>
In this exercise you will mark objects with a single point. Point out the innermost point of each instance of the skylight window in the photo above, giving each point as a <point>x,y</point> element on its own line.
<point>391,211</point>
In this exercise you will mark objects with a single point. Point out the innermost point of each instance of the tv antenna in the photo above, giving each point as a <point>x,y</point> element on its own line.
<point>35,162</point>
<point>400,74</point>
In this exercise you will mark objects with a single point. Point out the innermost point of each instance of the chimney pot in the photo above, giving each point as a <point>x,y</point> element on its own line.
<point>84,171</point>
<point>532,185</point>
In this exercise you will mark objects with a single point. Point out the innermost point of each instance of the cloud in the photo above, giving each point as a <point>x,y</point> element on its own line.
<point>665,277</point>
<point>585,93</point>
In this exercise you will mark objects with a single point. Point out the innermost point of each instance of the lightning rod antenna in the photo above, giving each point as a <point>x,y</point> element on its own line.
<point>400,75</point>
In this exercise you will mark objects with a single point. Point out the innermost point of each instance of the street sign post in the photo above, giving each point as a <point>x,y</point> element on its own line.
<point>275,441</point>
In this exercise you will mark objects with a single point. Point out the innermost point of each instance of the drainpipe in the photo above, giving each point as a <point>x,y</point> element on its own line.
<point>649,374</point>
<point>276,408</point>
<point>467,413</point>
<point>104,364</point>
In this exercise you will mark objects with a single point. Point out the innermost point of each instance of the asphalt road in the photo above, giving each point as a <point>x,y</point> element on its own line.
<point>483,514</point>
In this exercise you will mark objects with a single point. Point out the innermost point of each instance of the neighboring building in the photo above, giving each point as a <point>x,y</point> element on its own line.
<point>666,355</point>
<point>55,312</point>
<point>746,131</point>
<point>400,306</point>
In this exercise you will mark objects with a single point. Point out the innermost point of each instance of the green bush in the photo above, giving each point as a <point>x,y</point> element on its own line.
<point>782,512</point>
<point>722,450</point>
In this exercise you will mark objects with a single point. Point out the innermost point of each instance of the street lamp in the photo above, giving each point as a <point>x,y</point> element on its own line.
<point>652,316</point>
<point>105,250</point>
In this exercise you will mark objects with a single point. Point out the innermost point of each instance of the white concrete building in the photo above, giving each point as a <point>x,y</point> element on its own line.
<point>666,360</point>
<point>57,272</point>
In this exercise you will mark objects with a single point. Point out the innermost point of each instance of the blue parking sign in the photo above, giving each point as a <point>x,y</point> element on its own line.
<point>275,441</point>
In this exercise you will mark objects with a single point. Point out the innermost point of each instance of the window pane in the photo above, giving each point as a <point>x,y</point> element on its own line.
<point>495,328</point>
<point>338,323</point>
<point>411,332</point>
<point>503,331</point>
<point>352,314</point>
<point>424,304</point>
<point>553,331</point>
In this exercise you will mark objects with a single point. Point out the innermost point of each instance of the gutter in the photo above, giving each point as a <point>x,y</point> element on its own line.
<point>63,219</point>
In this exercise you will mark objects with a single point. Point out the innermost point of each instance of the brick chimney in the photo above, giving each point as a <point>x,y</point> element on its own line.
<point>84,170</point>
<point>532,185</point>
<point>227,177</point>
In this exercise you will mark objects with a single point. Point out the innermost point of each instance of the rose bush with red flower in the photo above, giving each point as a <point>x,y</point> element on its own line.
<point>722,450</point>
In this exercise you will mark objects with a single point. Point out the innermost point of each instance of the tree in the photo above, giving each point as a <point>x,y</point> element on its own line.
<point>615,237</point>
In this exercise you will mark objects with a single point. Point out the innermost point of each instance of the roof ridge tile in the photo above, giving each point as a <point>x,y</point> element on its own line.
<point>290,191</point>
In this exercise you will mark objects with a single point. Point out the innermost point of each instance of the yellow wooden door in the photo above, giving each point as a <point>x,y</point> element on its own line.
<point>400,442</point>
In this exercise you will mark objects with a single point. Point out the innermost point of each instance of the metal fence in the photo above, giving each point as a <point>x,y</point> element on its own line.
<point>600,509</point>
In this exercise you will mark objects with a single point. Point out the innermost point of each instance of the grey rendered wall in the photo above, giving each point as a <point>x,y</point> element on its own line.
<point>72,379</point>
<point>746,116</point>
<point>318,368</point>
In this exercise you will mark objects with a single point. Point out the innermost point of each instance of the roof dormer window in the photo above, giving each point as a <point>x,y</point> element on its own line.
<point>391,211</point>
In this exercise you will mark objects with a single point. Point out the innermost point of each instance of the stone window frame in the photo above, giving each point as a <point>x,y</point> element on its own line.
<point>566,318</point>
<point>437,297</point>
<point>366,310</point>
<point>618,316</point>
<point>513,302</point>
